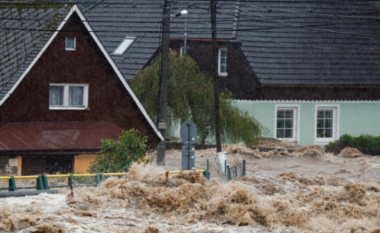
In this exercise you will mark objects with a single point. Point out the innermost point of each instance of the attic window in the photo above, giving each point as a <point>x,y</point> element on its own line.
<point>222,62</point>
<point>70,43</point>
<point>124,45</point>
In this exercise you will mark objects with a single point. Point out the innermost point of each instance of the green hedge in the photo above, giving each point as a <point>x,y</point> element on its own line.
<point>367,144</point>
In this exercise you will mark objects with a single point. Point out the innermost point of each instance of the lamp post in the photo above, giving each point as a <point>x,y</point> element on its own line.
<point>164,78</point>
<point>185,38</point>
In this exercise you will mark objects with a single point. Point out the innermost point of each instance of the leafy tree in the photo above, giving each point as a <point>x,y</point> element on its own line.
<point>191,96</point>
<point>117,156</point>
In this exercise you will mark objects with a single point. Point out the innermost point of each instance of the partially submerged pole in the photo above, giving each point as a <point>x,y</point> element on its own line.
<point>71,186</point>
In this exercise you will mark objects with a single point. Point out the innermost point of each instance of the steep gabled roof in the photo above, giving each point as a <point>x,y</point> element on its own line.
<point>24,30</point>
<point>308,42</point>
<point>113,20</point>
<point>31,53</point>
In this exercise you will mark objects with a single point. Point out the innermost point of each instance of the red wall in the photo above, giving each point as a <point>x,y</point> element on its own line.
<point>108,99</point>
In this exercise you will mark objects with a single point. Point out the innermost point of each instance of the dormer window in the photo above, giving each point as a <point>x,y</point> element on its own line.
<point>124,45</point>
<point>70,43</point>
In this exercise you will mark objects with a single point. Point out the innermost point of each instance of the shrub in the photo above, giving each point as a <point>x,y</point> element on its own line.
<point>365,143</point>
<point>117,156</point>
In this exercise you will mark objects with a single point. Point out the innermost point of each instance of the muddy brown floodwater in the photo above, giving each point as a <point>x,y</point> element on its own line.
<point>305,191</point>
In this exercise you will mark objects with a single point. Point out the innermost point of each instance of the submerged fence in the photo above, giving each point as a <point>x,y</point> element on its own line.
<point>42,182</point>
<point>235,171</point>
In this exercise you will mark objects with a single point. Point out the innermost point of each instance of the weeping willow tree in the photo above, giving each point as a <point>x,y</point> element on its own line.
<point>191,96</point>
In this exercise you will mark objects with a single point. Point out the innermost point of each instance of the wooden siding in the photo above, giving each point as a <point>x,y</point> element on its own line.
<point>108,99</point>
<point>241,81</point>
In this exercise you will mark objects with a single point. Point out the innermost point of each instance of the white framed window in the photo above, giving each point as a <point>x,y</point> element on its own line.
<point>326,123</point>
<point>68,96</point>
<point>222,62</point>
<point>287,122</point>
<point>124,45</point>
<point>70,43</point>
<point>182,51</point>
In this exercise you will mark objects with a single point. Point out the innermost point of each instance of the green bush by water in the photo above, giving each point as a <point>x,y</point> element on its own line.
<point>118,155</point>
<point>365,143</point>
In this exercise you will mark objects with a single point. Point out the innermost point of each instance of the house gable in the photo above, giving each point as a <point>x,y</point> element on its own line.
<point>110,97</point>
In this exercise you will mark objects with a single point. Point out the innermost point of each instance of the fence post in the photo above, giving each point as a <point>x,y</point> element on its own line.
<point>228,173</point>
<point>72,180</point>
<point>40,183</point>
<point>243,172</point>
<point>206,173</point>
<point>98,179</point>
<point>236,173</point>
<point>225,166</point>
<point>12,184</point>
<point>45,182</point>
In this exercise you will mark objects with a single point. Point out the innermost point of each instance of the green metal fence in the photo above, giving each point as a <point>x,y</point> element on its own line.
<point>42,182</point>
<point>235,171</point>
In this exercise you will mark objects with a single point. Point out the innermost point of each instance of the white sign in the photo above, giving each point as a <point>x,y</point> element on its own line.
<point>221,158</point>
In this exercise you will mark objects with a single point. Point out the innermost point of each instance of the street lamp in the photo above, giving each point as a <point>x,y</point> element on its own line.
<point>161,148</point>
<point>181,13</point>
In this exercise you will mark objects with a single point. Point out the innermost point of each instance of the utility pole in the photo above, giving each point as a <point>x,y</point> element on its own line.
<point>164,81</point>
<point>215,74</point>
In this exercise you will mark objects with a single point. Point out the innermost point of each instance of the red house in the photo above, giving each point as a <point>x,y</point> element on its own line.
<point>60,92</point>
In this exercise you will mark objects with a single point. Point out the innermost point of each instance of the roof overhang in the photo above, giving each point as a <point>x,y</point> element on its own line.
<point>52,137</point>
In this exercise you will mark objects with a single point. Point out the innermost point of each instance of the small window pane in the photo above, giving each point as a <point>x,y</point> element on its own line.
<point>280,133</point>
<point>288,133</point>
<point>222,69</point>
<point>320,114</point>
<point>320,123</point>
<point>328,113</point>
<point>328,133</point>
<point>288,124</point>
<point>289,114</point>
<point>76,96</point>
<point>320,133</point>
<point>280,114</point>
<point>70,43</point>
<point>280,124</point>
<point>328,123</point>
<point>56,95</point>
<point>224,53</point>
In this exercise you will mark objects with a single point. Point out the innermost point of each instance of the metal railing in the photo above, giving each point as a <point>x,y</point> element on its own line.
<point>42,182</point>
<point>235,171</point>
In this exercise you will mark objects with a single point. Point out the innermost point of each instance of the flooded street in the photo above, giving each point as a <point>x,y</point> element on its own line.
<point>50,213</point>
<point>306,191</point>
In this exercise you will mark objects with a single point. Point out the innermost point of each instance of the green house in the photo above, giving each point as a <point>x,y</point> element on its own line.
<point>308,79</point>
